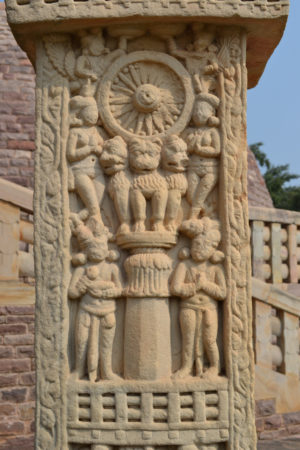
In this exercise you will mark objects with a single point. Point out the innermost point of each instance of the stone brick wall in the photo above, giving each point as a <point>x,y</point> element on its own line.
<point>17,377</point>
<point>16,109</point>
<point>272,426</point>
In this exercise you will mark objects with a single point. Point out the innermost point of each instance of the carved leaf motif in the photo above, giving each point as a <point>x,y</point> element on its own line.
<point>57,47</point>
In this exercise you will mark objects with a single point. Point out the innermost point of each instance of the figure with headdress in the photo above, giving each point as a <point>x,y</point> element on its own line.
<point>96,282</point>
<point>204,145</point>
<point>95,57</point>
<point>201,57</point>
<point>84,147</point>
<point>88,63</point>
<point>200,283</point>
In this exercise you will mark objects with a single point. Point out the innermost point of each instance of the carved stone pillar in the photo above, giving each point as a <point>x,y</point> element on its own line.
<point>147,334</point>
<point>143,307</point>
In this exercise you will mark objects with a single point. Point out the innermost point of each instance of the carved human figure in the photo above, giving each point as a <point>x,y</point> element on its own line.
<point>97,285</point>
<point>84,146</point>
<point>204,146</point>
<point>174,162</point>
<point>95,57</point>
<point>148,183</point>
<point>114,160</point>
<point>200,57</point>
<point>88,63</point>
<point>200,282</point>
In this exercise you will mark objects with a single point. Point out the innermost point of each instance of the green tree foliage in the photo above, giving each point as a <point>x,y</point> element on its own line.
<point>276,177</point>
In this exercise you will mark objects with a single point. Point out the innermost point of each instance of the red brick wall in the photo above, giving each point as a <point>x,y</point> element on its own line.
<point>16,109</point>
<point>272,426</point>
<point>17,377</point>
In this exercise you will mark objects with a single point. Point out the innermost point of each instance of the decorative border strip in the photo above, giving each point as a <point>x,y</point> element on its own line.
<point>23,11</point>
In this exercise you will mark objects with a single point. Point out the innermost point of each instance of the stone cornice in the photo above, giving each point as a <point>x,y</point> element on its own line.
<point>25,11</point>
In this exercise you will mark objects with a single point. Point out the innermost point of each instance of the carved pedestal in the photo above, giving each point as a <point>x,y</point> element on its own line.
<point>147,337</point>
<point>143,308</point>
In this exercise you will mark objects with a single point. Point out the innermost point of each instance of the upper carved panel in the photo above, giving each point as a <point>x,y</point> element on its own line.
<point>28,17</point>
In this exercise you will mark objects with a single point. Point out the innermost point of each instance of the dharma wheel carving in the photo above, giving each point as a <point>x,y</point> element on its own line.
<point>146,94</point>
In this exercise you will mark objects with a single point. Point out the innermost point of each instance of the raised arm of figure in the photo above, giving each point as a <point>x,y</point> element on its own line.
<point>116,278</point>
<point>208,151</point>
<point>178,285</point>
<point>75,153</point>
<point>83,70</point>
<point>77,289</point>
<point>216,289</point>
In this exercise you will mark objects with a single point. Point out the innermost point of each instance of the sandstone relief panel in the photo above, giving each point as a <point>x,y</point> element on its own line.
<point>143,159</point>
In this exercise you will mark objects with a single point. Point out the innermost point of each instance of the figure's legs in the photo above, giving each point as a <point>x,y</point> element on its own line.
<point>193,181</point>
<point>199,345</point>
<point>81,342</point>
<point>210,330</point>
<point>86,190</point>
<point>159,204</point>
<point>93,349</point>
<point>187,319</point>
<point>108,328</point>
<point>99,185</point>
<point>173,205</point>
<point>204,188</point>
<point>138,204</point>
<point>121,202</point>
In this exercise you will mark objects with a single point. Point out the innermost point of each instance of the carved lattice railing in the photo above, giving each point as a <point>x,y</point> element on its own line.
<point>276,247</point>
<point>277,328</point>
<point>275,241</point>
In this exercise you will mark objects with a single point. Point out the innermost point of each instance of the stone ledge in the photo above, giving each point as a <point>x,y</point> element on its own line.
<point>16,293</point>
<point>280,444</point>
<point>18,9</point>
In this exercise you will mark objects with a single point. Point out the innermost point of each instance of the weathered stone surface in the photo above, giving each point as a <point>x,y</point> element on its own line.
<point>265,407</point>
<point>142,240</point>
<point>291,418</point>
<point>273,422</point>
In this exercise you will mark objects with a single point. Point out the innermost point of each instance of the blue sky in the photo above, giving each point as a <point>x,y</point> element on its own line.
<point>274,104</point>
